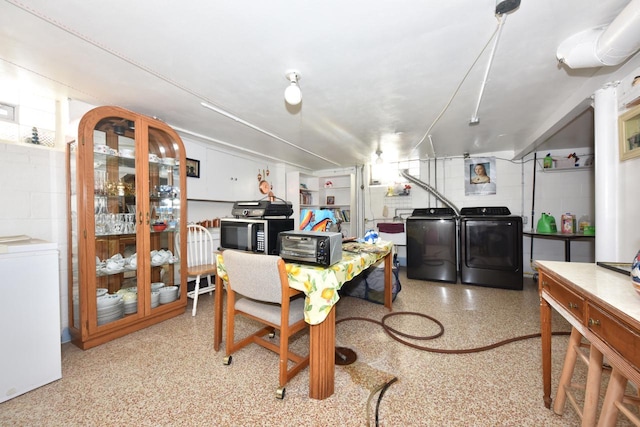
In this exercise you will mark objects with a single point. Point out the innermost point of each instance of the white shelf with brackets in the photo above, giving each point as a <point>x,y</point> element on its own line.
<point>567,164</point>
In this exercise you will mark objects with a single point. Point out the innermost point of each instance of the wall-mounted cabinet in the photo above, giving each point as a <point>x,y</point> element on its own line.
<point>223,177</point>
<point>335,192</point>
<point>126,185</point>
<point>231,178</point>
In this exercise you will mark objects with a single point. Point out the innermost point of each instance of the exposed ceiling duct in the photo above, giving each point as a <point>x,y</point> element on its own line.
<point>604,46</point>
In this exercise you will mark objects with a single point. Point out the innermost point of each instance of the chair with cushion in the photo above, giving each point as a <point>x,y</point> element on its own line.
<point>258,288</point>
<point>200,260</point>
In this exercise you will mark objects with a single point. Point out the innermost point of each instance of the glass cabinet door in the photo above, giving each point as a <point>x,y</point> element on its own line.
<point>116,225</point>
<point>163,200</point>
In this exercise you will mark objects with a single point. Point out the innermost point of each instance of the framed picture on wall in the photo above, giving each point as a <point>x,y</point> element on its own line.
<point>193,168</point>
<point>331,200</point>
<point>629,131</point>
<point>479,176</point>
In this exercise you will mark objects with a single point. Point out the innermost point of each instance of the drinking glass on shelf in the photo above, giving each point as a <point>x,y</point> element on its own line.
<point>100,178</point>
<point>101,223</point>
<point>130,226</point>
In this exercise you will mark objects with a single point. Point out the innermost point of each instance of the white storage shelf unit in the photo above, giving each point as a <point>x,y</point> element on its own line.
<point>306,191</point>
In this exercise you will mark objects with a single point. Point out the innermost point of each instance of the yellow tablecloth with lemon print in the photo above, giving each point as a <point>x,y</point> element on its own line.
<point>321,284</point>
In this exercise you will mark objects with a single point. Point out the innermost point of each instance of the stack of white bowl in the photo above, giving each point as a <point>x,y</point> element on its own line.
<point>130,299</point>
<point>110,308</point>
<point>168,294</point>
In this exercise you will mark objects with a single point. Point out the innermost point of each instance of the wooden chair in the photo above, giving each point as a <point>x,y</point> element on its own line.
<point>615,401</point>
<point>200,260</point>
<point>258,288</point>
<point>593,359</point>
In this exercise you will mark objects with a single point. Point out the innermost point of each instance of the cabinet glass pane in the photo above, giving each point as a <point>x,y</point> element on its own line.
<point>72,187</point>
<point>164,203</point>
<point>115,184</point>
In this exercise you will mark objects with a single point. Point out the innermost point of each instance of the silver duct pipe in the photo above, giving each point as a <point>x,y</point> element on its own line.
<point>604,46</point>
<point>430,189</point>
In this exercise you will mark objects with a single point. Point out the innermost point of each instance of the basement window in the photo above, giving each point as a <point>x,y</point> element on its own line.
<point>390,173</point>
<point>9,113</point>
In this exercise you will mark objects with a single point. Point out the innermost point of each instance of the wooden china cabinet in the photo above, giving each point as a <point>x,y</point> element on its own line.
<point>127,200</point>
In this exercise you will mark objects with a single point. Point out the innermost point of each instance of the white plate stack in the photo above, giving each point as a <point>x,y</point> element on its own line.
<point>168,294</point>
<point>110,308</point>
<point>155,286</point>
<point>155,299</point>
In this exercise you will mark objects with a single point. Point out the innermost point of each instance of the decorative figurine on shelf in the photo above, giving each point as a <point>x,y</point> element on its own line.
<point>34,136</point>
<point>328,184</point>
<point>575,158</point>
<point>407,190</point>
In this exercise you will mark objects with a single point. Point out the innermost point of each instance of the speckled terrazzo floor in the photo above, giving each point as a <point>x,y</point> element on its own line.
<point>169,375</point>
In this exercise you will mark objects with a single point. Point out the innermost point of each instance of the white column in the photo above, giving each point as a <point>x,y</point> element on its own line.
<point>606,174</point>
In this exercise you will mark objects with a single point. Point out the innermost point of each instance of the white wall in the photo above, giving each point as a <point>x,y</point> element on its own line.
<point>34,203</point>
<point>204,201</point>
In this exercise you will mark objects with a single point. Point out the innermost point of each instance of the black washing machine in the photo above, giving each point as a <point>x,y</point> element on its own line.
<point>432,250</point>
<point>491,247</point>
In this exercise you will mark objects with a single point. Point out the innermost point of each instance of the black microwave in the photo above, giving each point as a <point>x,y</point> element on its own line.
<point>259,235</point>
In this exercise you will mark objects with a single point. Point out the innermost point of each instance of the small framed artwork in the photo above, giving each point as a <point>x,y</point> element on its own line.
<point>331,200</point>
<point>193,168</point>
<point>629,129</point>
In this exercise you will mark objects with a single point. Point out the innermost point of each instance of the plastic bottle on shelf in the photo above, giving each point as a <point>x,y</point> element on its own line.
<point>547,163</point>
<point>583,222</point>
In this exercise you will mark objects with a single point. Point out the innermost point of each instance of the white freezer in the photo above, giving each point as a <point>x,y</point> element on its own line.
<point>30,354</point>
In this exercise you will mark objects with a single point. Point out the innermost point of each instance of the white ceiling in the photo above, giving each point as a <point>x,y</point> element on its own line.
<point>374,74</point>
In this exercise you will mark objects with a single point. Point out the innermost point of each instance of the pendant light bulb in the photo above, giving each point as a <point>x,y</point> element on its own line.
<point>292,93</point>
<point>379,160</point>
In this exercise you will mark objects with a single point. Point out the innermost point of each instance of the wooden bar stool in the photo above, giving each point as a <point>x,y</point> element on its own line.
<point>615,401</point>
<point>577,349</point>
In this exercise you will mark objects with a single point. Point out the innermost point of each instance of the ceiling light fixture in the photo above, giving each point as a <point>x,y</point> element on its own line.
<point>379,160</point>
<point>292,93</point>
<point>506,6</point>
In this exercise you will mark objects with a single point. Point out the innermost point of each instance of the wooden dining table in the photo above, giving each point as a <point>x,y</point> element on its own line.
<point>320,286</point>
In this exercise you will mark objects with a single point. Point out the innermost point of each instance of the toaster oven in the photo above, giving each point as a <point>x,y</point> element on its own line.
<point>311,247</point>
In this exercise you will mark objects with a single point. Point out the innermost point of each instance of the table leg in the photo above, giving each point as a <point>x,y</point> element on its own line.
<point>567,250</point>
<point>388,281</point>
<point>217,314</point>
<point>322,347</point>
<point>545,330</point>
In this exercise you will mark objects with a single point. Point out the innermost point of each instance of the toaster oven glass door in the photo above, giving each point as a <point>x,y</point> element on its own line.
<point>299,246</point>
